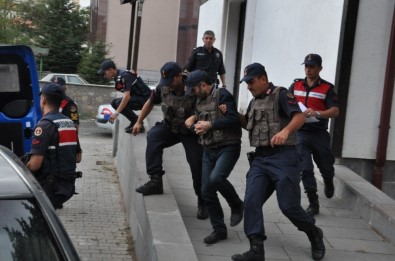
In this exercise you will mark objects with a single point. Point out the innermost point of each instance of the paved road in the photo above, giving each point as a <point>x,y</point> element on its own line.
<point>95,218</point>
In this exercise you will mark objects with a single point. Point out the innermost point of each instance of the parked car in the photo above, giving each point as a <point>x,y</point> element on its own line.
<point>19,98</point>
<point>29,226</point>
<point>104,113</point>
<point>68,78</point>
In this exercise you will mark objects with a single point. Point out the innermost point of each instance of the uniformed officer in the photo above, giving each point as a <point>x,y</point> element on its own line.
<point>69,108</point>
<point>135,92</point>
<point>320,99</point>
<point>220,135</point>
<point>272,118</point>
<point>54,148</point>
<point>208,58</point>
<point>177,107</point>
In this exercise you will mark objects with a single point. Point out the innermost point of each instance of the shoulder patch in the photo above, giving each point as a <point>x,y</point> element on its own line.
<point>73,108</point>
<point>38,131</point>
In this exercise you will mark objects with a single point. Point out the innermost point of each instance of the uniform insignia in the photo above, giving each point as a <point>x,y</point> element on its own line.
<point>163,74</point>
<point>73,116</point>
<point>245,72</point>
<point>73,109</point>
<point>309,57</point>
<point>218,55</point>
<point>38,131</point>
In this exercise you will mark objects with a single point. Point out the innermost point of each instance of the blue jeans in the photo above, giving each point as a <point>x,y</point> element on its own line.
<point>218,163</point>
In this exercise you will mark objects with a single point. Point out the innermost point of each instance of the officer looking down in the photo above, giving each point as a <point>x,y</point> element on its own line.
<point>314,142</point>
<point>220,135</point>
<point>272,119</point>
<point>177,107</point>
<point>69,108</point>
<point>135,92</point>
<point>54,148</point>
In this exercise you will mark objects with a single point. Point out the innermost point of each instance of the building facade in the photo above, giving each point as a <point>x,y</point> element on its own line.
<point>167,32</point>
<point>355,40</point>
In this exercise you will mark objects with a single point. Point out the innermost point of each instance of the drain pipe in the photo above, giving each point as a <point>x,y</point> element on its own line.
<point>381,154</point>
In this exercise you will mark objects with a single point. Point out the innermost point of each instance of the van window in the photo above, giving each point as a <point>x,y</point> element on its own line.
<point>9,78</point>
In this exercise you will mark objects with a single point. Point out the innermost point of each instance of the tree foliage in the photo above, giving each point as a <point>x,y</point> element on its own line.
<point>8,30</point>
<point>90,63</point>
<point>59,25</point>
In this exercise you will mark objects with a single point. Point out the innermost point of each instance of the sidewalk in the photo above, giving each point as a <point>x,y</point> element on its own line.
<point>347,219</point>
<point>95,218</point>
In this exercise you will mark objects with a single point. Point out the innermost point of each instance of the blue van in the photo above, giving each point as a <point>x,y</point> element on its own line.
<point>19,97</point>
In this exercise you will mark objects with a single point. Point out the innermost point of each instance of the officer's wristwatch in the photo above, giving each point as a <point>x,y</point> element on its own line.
<point>318,114</point>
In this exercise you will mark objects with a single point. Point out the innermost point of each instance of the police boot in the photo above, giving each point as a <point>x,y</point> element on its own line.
<point>256,252</point>
<point>317,243</point>
<point>154,186</point>
<point>329,188</point>
<point>314,207</point>
<point>202,212</point>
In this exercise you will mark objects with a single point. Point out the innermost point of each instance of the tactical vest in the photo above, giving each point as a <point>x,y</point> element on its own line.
<point>207,110</point>
<point>176,109</point>
<point>139,87</point>
<point>60,158</point>
<point>264,120</point>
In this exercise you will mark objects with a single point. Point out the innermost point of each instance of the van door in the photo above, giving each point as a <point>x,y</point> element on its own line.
<point>19,98</point>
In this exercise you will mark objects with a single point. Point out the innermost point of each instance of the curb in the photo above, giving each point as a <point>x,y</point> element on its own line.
<point>156,223</point>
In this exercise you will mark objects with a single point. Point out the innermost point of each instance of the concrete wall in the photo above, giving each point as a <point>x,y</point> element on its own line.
<point>89,97</point>
<point>156,223</point>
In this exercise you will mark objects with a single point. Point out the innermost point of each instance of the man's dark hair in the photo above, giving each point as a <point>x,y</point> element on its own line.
<point>209,32</point>
<point>53,100</point>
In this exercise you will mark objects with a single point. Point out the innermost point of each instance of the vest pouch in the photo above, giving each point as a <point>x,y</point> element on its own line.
<point>164,108</point>
<point>274,129</point>
<point>217,135</point>
<point>251,116</point>
<point>260,135</point>
<point>254,140</point>
<point>180,112</point>
<point>259,115</point>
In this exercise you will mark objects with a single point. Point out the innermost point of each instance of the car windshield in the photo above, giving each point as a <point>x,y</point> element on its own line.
<point>24,232</point>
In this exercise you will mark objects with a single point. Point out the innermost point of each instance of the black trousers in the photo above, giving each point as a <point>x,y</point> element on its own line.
<point>160,137</point>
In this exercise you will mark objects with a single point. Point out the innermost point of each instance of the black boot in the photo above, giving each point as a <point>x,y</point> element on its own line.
<point>317,243</point>
<point>154,186</point>
<point>217,235</point>
<point>329,188</point>
<point>256,252</point>
<point>314,207</point>
<point>236,214</point>
<point>202,212</point>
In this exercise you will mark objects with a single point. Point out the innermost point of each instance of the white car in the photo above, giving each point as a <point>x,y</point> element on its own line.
<point>104,112</point>
<point>69,78</point>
